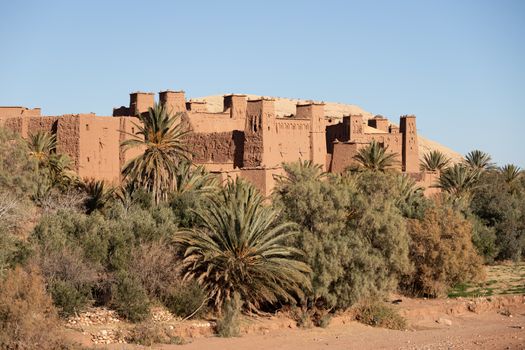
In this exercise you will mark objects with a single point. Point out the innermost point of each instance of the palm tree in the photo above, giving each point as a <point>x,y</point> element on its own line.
<point>162,138</point>
<point>98,194</point>
<point>242,248</point>
<point>434,161</point>
<point>375,157</point>
<point>479,160</point>
<point>510,172</point>
<point>41,146</point>
<point>458,180</point>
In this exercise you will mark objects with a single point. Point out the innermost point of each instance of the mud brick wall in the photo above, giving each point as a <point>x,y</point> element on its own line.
<point>217,147</point>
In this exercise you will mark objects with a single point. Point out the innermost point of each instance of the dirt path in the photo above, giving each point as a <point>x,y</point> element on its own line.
<point>485,331</point>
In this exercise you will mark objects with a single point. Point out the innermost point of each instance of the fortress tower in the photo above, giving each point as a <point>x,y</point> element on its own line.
<point>314,112</point>
<point>410,149</point>
<point>236,105</point>
<point>139,102</point>
<point>174,101</point>
<point>258,132</point>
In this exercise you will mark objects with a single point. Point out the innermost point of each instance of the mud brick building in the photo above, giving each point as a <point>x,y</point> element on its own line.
<point>246,139</point>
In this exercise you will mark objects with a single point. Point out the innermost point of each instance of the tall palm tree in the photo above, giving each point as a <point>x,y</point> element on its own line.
<point>479,160</point>
<point>458,180</point>
<point>510,172</point>
<point>242,248</point>
<point>375,157</point>
<point>434,161</point>
<point>41,146</point>
<point>162,137</point>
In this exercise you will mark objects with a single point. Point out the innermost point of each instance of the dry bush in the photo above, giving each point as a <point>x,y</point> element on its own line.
<point>310,317</point>
<point>442,252</point>
<point>69,277</point>
<point>28,319</point>
<point>156,266</point>
<point>149,333</point>
<point>53,200</point>
<point>9,213</point>
<point>378,314</point>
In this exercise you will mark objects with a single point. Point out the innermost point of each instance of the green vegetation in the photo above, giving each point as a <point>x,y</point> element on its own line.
<point>161,135</point>
<point>241,248</point>
<point>172,235</point>
<point>375,157</point>
<point>434,161</point>
<point>354,252</point>
<point>479,161</point>
<point>378,314</point>
<point>501,279</point>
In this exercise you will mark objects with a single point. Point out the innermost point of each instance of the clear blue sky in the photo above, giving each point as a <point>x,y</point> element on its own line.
<point>458,65</point>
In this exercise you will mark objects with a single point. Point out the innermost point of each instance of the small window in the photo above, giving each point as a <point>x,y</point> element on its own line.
<point>132,130</point>
<point>88,159</point>
<point>87,127</point>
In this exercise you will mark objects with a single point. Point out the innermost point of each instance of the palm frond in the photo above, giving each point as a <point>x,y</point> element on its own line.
<point>375,157</point>
<point>434,161</point>
<point>510,172</point>
<point>458,180</point>
<point>479,160</point>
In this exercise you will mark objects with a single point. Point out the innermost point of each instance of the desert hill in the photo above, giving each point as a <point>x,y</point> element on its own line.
<point>286,106</point>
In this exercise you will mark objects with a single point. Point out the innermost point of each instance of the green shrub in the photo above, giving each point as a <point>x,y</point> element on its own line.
<point>18,174</point>
<point>484,239</point>
<point>378,314</point>
<point>129,298</point>
<point>229,324</point>
<point>500,205</point>
<point>351,230</point>
<point>187,299</point>
<point>68,299</point>
<point>13,251</point>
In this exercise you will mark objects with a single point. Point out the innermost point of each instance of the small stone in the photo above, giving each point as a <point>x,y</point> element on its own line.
<point>444,321</point>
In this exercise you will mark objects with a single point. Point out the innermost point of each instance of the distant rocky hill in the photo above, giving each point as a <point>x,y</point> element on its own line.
<point>286,106</point>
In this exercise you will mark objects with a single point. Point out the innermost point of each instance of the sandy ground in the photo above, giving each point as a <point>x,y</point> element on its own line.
<point>478,323</point>
<point>486,331</point>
